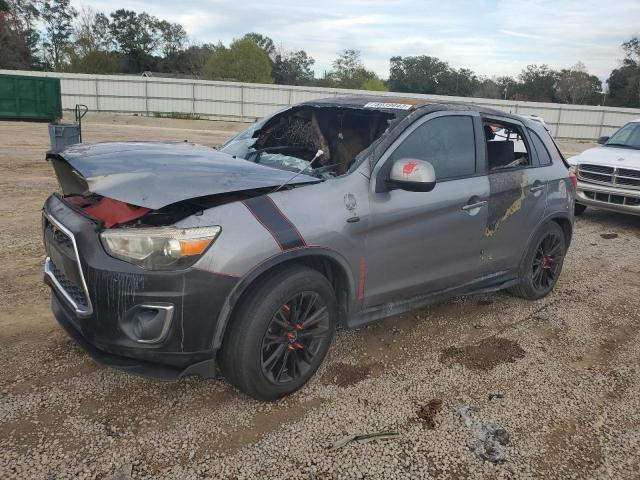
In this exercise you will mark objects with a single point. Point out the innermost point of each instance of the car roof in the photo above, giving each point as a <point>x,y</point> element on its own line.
<point>401,104</point>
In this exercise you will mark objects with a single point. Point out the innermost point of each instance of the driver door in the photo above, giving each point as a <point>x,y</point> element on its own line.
<point>422,242</point>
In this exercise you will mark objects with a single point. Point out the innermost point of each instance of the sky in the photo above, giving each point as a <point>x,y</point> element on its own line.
<point>490,37</point>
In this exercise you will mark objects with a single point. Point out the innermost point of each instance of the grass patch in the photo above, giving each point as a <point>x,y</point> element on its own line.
<point>177,115</point>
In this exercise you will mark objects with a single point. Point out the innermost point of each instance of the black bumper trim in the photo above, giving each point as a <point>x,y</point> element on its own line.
<point>203,368</point>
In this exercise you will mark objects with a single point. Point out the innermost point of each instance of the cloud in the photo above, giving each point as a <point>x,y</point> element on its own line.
<point>497,37</point>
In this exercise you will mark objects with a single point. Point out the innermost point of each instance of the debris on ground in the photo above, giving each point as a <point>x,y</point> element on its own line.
<point>609,236</point>
<point>427,412</point>
<point>490,440</point>
<point>122,473</point>
<point>365,438</point>
<point>496,396</point>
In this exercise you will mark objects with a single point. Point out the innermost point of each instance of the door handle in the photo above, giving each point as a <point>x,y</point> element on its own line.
<point>537,186</point>
<point>472,206</point>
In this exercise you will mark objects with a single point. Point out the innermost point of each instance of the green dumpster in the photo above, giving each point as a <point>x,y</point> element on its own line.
<point>32,98</point>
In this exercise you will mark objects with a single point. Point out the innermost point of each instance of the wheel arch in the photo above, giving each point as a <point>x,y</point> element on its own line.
<point>562,219</point>
<point>328,262</point>
<point>567,227</point>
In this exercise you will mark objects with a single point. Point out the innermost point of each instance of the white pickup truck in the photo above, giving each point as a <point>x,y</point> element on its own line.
<point>609,175</point>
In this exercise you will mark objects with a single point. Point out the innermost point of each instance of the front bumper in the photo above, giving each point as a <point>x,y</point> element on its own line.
<point>95,298</point>
<point>622,200</point>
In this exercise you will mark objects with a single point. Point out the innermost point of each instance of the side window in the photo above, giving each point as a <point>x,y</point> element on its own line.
<point>448,143</point>
<point>506,146</point>
<point>540,149</point>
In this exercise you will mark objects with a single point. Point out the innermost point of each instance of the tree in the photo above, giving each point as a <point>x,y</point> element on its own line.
<point>293,68</point>
<point>461,83</point>
<point>374,84</point>
<point>349,71</point>
<point>487,88</point>
<point>195,57</point>
<point>576,86</point>
<point>96,61</point>
<point>624,82</point>
<point>101,29</point>
<point>631,49</point>
<point>93,45</point>
<point>173,37</point>
<point>243,61</point>
<point>264,42</point>
<point>419,74</point>
<point>537,83</point>
<point>136,35</point>
<point>57,17</point>
<point>19,37</point>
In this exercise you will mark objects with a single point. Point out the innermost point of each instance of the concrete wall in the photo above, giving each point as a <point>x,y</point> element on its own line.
<point>248,101</point>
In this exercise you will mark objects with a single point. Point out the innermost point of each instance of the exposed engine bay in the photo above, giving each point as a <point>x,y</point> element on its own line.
<point>292,139</point>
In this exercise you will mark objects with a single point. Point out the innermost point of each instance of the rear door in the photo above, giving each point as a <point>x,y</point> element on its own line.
<point>420,242</point>
<point>518,193</point>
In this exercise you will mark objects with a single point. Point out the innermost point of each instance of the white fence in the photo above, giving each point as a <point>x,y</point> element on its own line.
<point>249,101</point>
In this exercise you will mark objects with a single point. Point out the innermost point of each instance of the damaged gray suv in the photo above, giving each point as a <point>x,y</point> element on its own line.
<point>174,259</point>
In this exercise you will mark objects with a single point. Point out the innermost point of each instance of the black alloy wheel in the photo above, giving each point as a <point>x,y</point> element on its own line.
<point>547,261</point>
<point>280,332</point>
<point>542,263</point>
<point>294,337</point>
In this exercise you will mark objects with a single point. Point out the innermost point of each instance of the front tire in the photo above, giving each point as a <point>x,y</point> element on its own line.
<point>542,264</point>
<point>280,333</point>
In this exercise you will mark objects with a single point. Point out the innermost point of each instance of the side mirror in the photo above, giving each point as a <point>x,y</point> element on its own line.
<point>603,140</point>
<point>412,175</point>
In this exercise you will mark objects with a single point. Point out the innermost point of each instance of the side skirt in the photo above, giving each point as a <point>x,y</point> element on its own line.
<point>486,284</point>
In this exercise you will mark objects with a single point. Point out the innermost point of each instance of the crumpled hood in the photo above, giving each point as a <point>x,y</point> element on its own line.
<point>156,174</point>
<point>609,156</point>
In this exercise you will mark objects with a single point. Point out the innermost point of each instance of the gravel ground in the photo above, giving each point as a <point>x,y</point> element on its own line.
<point>559,377</point>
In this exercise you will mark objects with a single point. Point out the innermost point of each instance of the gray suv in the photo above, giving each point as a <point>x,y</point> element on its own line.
<point>174,259</point>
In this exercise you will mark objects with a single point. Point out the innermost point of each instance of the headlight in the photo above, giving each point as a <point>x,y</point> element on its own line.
<point>160,248</point>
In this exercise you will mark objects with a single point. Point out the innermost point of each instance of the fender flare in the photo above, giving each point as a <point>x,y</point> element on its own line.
<point>278,259</point>
<point>549,218</point>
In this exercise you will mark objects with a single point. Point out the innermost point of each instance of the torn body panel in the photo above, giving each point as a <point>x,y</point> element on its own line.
<point>515,210</point>
<point>154,175</point>
<point>507,194</point>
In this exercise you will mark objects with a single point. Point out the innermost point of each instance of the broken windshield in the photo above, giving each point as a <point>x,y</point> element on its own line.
<point>292,139</point>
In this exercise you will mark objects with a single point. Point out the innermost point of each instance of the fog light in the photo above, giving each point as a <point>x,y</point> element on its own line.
<point>148,323</point>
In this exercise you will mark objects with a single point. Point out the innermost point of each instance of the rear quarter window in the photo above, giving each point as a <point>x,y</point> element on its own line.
<point>544,157</point>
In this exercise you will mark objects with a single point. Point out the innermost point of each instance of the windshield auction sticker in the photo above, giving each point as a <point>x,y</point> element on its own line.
<point>396,106</point>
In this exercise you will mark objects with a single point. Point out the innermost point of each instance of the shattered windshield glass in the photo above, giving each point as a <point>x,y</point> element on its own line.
<point>322,141</point>
<point>243,146</point>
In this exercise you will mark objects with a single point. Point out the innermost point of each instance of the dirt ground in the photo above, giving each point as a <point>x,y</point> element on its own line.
<point>559,377</point>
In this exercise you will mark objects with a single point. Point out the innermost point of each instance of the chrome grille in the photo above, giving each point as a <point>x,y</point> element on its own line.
<point>625,172</point>
<point>71,288</point>
<point>613,198</point>
<point>58,237</point>
<point>624,177</point>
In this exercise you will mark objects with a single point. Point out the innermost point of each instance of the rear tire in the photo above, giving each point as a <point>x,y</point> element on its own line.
<point>579,209</point>
<point>280,333</point>
<point>542,264</point>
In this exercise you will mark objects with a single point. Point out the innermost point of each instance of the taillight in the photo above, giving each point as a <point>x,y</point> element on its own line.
<point>574,180</point>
